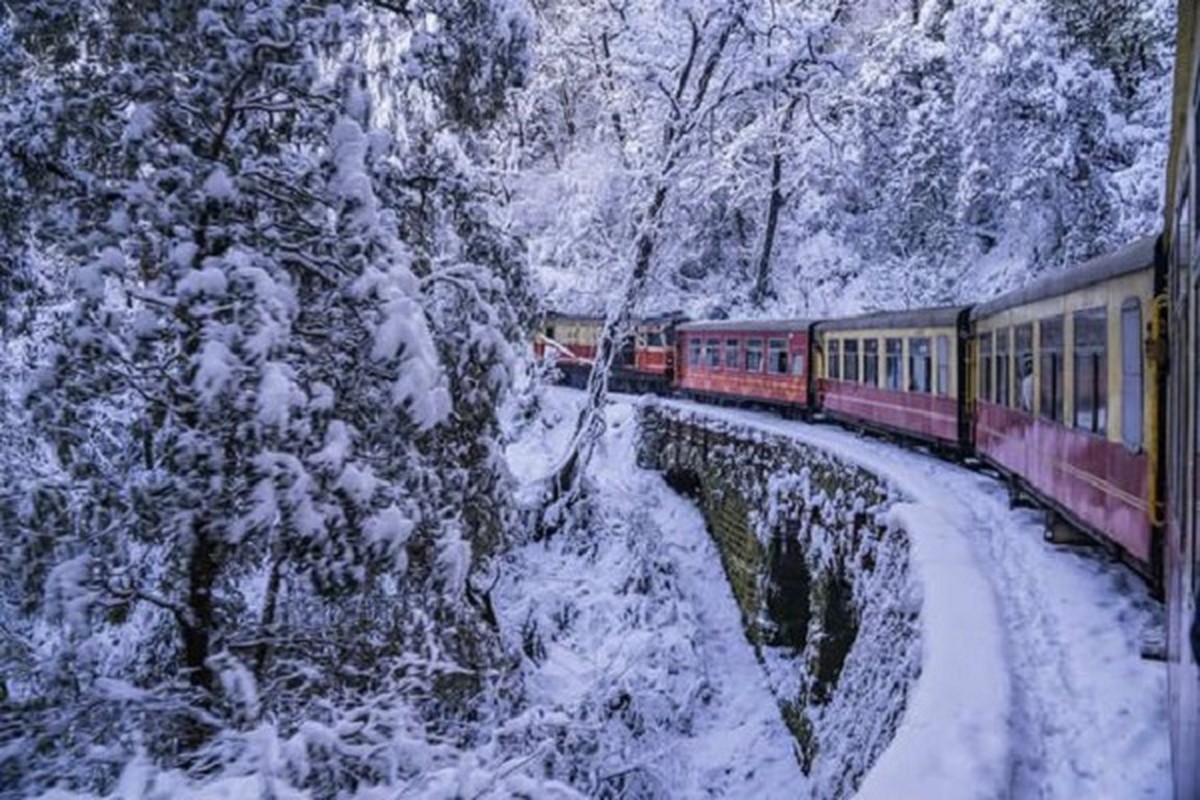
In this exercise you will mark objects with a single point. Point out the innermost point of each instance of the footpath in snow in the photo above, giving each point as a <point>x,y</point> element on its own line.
<point>1085,716</point>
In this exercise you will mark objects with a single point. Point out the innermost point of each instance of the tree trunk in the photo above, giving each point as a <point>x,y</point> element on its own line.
<point>762,279</point>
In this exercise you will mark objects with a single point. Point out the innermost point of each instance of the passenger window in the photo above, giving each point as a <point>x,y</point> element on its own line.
<point>943,365</point>
<point>1023,345</point>
<point>733,353</point>
<point>920,366</point>
<point>871,362</point>
<point>833,361</point>
<point>1091,369</point>
<point>549,331</point>
<point>985,367</point>
<point>712,355</point>
<point>893,353</point>
<point>654,339</point>
<point>754,354</point>
<point>693,352</point>
<point>1050,368</point>
<point>798,364</point>
<point>777,361</point>
<point>850,360</point>
<point>1003,393</point>
<point>1131,374</point>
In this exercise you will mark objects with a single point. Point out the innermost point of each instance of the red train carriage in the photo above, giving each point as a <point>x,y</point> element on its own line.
<point>1063,401</point>
<point>764,362</point>
<point>897,372</point>
<point>1182,470</point>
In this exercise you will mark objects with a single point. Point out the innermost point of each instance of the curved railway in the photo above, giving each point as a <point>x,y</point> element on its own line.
<point>1080,389</point>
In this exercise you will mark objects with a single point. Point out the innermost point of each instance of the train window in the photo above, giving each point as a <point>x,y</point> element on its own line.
<point>850,360</point>
<point>549,331</point>
<point>1131,373</point>
<point>871,362</point>
<point>893,354</point>
<point>693,351</point>
<point>798,363</point>
<point>733,353</point>
<point>1091,369</point>
<point>754,355</point>
<point>943,365</point>
<point>712,353</point>
<point>833,360</point>
<point>1050,368</point>
<point>1023,348</point>
<point>777,356</point>
<point>1003,361</point>
<point>985,367</point>
<point>920,365</point>
<point>654,339</point>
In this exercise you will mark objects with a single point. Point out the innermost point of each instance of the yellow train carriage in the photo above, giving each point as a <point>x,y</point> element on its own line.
<point>898,372</point>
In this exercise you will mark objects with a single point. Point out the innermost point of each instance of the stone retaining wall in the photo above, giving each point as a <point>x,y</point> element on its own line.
<point>821,576</point>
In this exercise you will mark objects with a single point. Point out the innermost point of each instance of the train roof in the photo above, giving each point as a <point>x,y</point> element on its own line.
<point>746,325</point>
<point>935,317</point>
<point>1131,258</point>
<point>655,319</point>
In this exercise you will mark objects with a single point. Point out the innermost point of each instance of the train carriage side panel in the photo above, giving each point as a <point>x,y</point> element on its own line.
<point>746,361</point>
<point>1182,426</point>
<point>1063,404</point>
<point>895,372</point>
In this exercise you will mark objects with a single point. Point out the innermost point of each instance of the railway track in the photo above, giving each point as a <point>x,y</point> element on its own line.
<point>1088,715</point>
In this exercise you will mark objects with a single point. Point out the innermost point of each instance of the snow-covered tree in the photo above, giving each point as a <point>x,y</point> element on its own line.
<point>267,412</point>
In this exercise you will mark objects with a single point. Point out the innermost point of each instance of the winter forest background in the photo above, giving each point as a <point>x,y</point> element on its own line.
<point>267,274</point>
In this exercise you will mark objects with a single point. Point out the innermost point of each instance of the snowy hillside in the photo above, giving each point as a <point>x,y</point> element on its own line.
<point>845,155</point>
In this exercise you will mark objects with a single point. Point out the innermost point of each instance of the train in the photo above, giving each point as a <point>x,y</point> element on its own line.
<point>1058,387</point>
<point>1079,390</point>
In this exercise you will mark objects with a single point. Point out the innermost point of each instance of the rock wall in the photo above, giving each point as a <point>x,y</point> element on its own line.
<point>820,571</point>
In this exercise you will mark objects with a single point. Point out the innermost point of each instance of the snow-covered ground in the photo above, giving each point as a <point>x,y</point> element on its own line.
<point>668,646</point>
<point>1088,715</point>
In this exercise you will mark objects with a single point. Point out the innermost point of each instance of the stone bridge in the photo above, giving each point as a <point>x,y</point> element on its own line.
<point>821,574</point>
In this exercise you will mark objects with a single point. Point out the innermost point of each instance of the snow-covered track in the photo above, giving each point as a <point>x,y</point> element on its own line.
<point>1032,684</point>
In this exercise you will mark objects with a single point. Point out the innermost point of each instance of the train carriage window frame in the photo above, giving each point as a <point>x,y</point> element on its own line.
<point>850,360</point>
<point>833,360</point>
<point>694,351</point>
<point>920,365</point>
<point>1023,398</point>
<point>654,339</point>
<point>1003,368</point>
<point>986,367</point>
<point>1050,366</point>
<point>798,364</point>
<point>1132,375</point>
<point>712,353</point>
<point>1089,347</point>
<point>893,364</point>
<point>733,354</point>
<point>871,362</point>
<point>942,350</point>
<point>754,355</point>
<point>777,356</point>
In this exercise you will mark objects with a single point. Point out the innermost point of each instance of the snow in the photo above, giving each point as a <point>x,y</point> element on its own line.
<point>218,185</point>
<point>1032,681</point>
<point>679,656</point>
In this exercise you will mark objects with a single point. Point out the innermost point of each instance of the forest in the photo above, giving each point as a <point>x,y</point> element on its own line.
<point>269,270</point>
